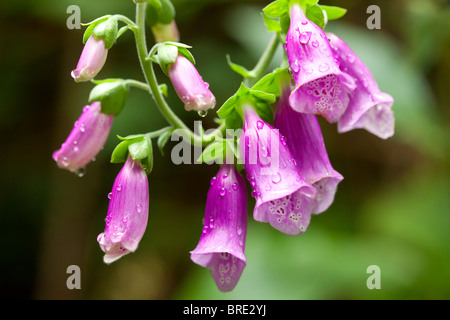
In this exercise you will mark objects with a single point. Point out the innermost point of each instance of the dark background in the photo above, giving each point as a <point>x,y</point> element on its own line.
<point>391,210</point>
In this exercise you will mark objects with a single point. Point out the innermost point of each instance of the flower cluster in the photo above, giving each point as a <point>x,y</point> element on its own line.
<point>283,153</point>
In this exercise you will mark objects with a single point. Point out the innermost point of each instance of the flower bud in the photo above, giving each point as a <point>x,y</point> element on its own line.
<point>86,139</point>
<point>127,216</point>
<point>189,85</point>
<point>92,59</point>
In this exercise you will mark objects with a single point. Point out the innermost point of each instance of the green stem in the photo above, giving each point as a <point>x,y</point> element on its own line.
<point>155,134</point>
<point>264,61</point>
<point>137,84</point>
<point>147,68</point>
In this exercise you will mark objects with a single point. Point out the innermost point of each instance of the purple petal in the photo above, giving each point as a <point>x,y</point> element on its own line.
<point>86,139</point>
<point>222,243</point>
<point>369,108</point>
<point>304,138</point>
<point>92,60</point>
<point>321,87</point>
<point>127,216</point>
<point>189,85</point>
<point>283,198</point>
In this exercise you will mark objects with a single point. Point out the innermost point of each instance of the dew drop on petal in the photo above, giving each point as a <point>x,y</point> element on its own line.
<point>202,113</point>
<point>276,178</point>
<point>235,186</point>
<point>259,124</point>
<point>119,187</point>
<point>139,208</point>
<point>350,58</point>
<point>80,172</point>
<point>324,67</point>
<point>223,192</point>
<point>124,219</point>
<point>304,37</point>
<point>213,181</point>
<point>315,43</point>
<point>109,195</point>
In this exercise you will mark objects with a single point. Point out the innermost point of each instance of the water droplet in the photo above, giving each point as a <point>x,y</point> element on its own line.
<point>295,66</point>
<point>239,230</point>
<point>268,187</point>
<point>206,85</point>
<point>202,113</point>
<point>324,67</point>
<point>350,58</point>
<point>213,181</point>
<point>276,178</point>
<point>119,187</point>
<point>82,128</point>
<point>80,172</point>
<point>259,124</point>
<point>86,108</point>
<point>109,195</point>
<point>211,223</point>
<point>76,149</point>
<point>315,43</point>
<point>139,208</point>
<point>223,192</point>
<point>304,37</point>
<point>235,186</point>
<point>93,159</point>
<point>65,161</point>
<point>264,152</point>
<point>225,176</point>
<point>124,219</point>
<point>304,22</point>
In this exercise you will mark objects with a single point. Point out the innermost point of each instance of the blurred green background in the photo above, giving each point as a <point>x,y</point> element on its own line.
<point>391,210</point>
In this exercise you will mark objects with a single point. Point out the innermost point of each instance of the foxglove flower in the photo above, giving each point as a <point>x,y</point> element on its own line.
<point>304,138</point>
<point>86,139</point>
<point>321,87</point>
<point>92,59</point>
<point>127,216</point>
<point>369,108</point>
<point>189,85</point>
<point>222,243</point>
<point>283,198</point>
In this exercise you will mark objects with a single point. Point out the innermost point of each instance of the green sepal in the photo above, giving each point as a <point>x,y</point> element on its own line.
<point>168,52</point>
<point>139,147</point>
<point>232,111</point>
<point>333,13</point>
<point>159,11</point>
<point>272,25</point>
<point>163,139</point>
<point>91,25</point>
<point>239,69</point>
<point>112,94</point>
<point>277,8</point>
<point>315,14</point>
<point>272,82</point>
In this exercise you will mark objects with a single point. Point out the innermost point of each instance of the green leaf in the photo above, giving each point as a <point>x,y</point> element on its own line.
<point>315,14</point>
<point>163,89</point>
<point>277,8</point>
<point>112,94</point>
<point>239,69</point>
<point>271,24</point>
<point>333,12</point>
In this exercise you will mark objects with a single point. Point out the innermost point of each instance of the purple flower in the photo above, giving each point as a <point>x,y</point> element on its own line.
<point>283,198</point>
<point>304,138</point>
<point>321,88</point>
<point>86,139</point>
<point>189,85</point>
<point>369,108</point>
<point>127,216</point>
<point>222,243</point>
<point>92,59</point>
